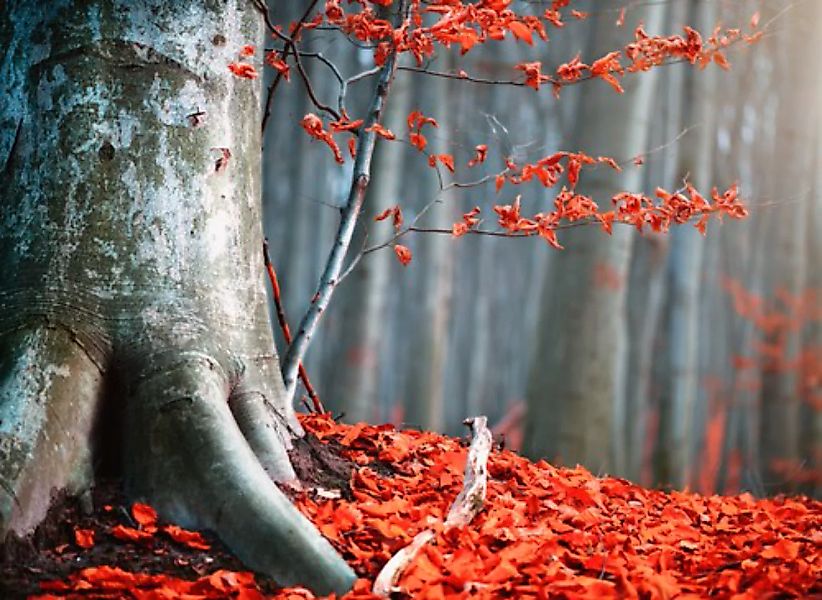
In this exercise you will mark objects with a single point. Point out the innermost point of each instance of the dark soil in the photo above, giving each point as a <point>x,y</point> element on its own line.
<point>320,464</point>
<point>51,551</point>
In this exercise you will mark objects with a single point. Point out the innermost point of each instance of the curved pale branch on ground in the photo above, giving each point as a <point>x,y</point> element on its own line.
<point>463,510</point>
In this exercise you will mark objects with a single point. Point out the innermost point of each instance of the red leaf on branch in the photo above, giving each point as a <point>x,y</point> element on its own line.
<point>344,125</point>
<point>403,254</point>
<point>606,67</point>
<point>418,141</point>
<point>480,154</point>
<point>533,75</point>
<point>522,32</point>
<point>395,212</point>
<point>446,159</point>
<point>469,220</point>
<point>416,120</point>
<point>275,60</point>
<point>313,126</point>
<point>382,132</point>
<point>572,70</point>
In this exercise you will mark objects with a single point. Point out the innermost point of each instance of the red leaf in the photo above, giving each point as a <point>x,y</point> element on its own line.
<point>192,539</point>
<point>84,537</point>
<point>121,532</point>
<point>243,70</point>
<point>521,31</point>
<point>403,254</point>
<point>395,212</point>
<point>480,154</point>
<point>382,132</point>
<point>145,515</point>
<point>275,59</point>
<point>313,126</point>
<point>418,141</point>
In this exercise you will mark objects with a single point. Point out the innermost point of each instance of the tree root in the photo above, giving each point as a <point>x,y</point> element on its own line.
<point>184,453</point>
<point>188,458</point>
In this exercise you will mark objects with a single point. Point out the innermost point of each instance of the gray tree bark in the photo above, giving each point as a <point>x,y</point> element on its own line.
<point>131,275</point>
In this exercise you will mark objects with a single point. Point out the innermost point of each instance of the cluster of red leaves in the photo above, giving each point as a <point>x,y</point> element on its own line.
<point>635,209</point>
<point>415,121</point>
<point>469,221</point>
<point>113,582</point>
<point>244,69</point>
<point>549,532</point>
<point>467,24</point>
<point>776,320</point>
<point>544,532</point>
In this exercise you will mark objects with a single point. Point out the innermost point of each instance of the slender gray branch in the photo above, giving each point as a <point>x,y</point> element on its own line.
<point>348,220</point>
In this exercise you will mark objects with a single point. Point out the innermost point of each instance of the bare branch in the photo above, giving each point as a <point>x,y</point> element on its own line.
<point>348,220</point>
<point>289,47</point>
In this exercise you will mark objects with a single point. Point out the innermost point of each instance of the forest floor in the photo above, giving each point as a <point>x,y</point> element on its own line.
<point>544,532</point>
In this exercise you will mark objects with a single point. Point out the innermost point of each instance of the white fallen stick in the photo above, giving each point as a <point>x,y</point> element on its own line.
<point>463,510</point>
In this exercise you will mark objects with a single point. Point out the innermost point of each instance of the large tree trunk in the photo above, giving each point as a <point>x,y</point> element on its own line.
<point>131,280</point>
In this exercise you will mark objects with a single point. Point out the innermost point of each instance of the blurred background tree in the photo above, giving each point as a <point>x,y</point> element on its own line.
<point>661,359</point>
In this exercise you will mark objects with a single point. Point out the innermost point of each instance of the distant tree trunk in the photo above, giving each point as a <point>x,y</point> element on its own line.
<point>786,235</point>
<point>574,371</point>
<point>811,436</point>
<point>646,287</point>
<point>425,387</point>
<point>679,397</point>
<point>366,294</point>
<point>646,281</point>
<point>131,284</point>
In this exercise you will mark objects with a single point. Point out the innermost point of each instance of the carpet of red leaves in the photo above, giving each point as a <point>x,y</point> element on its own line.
<point>545,532</point>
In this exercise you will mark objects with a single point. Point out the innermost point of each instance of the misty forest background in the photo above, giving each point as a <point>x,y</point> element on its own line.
<point>672,360</point>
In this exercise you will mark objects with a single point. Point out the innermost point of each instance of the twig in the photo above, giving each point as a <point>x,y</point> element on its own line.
<point>348,220</point>
<point>290,45</point>
<point>275,287</point>
<point>463,510</point>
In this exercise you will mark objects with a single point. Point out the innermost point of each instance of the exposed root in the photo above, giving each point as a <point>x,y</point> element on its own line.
<point>463,510</point>
<point>190,460</point>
